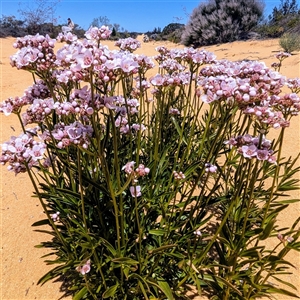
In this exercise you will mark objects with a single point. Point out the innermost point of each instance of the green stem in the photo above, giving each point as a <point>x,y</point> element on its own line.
<point>79,169</point>
<point>275,179</point>
<point>46,210</point>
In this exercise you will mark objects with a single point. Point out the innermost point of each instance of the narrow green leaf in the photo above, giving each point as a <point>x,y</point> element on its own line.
<point>179,130</point>
<point>166,289</point>
<point>80,294</point>
<point>285,282</point>
<point>125,261</point>
<point>282,292</point>
<point>159,232</point>
<point>108,246</point>
<point>143,290</point>
<point>267,230</point>
<point>162,248</point>
<point>110,292</point>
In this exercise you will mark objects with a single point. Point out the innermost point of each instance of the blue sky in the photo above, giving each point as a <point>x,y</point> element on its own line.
<point>132,15</point>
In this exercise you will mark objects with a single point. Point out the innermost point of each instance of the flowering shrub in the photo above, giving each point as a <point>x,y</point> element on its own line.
<point>150,185</point>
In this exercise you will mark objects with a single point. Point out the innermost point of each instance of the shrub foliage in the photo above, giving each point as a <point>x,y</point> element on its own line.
<point>149,185</point>
<point>219,21</point>
<point>290,42</point>
<point>284,18</point>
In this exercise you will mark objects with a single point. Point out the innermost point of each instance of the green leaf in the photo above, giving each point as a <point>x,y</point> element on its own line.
<point>162,248</point>
<point>164,286</point>
<point>267,230</point>
<point>110,292</point>
<point>125,261</point>
<point>143,289</point>
<point>282,292</point>
<point>288,201</point>
<point>179,129</point>
<point>159,232</point>
<point>285,282</point>
<point>108,246</point>
<point>80,294</point>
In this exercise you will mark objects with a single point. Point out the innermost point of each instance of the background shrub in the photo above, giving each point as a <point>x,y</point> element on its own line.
<point>290,42</point>
<point>285,18</point>
<point>221,21</point>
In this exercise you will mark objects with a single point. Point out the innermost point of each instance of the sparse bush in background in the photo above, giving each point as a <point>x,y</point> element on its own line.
<point>38,12</point>
<point>285,18</point>
<point>221,21</point>
<point>10,26</point>
<point>290,42</point>
<point>173,32</point>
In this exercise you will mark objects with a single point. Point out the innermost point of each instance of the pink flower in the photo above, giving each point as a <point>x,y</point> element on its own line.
<point>178,175</point>
<point>128,65</point>
<point>209,168</point>
<point>95,33</point>
<point>85,268</point>
<point>157,80</point>
<point>135,191</point>
<point>142,170</point>
<point>55,216</point>
<point>128,168</point>
<point>85,59</point>
<point>249,151</point>
<point>128,44</point>
<point>262,154</point>
<point>198,233</point>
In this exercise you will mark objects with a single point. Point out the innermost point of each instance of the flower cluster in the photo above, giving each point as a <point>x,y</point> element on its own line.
<point>22,152</point>
<point>244,82</point>
<point>210,168</point>
<point>36,53</point>
<point>128,44</point>
<point>171,65</point>
<point>140,171</point>
<point>80,103</point>
<point>175,79</point>
<point>66,36</point>
<point>282,55</point>
<point>178,175</point>
<point>13,105</point>
<point>98,34</point>
<point>294,84</point>
<point>72,134</point>
<point>55,216</point>
<point>186,55</point>
<point>282,239</point>
<point>253,147</point>
<point>84,268</point>
<point>266,115</point>
<point>288,104</point>
<point>37,90</point>
<point>38,111</point>
<point>123,109</point>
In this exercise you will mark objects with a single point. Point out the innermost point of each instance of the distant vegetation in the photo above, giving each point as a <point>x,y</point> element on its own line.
<point>285,18</point>
<point>212,22</point>
<point>290,42</point>
<point>221,21</point>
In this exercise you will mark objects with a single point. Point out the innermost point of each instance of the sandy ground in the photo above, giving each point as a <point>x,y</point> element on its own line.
<point>21,263</point>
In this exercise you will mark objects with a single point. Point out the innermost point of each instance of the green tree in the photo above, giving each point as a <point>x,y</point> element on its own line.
<point>284,19</point>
